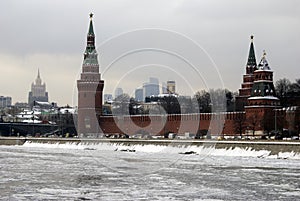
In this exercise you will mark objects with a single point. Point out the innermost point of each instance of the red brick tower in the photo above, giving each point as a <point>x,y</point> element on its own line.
<point>248,78</point>
<point>90,87</point>
<point>263,100</point>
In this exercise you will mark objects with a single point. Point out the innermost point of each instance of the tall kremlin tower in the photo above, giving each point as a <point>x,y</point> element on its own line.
<point>90,87</point>
<point>248,78</point>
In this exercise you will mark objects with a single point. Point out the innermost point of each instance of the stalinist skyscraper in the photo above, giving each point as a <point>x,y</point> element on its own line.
<point>90,87</point>
<point>38,91</point>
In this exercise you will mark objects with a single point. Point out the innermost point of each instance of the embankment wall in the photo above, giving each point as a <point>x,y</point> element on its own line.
<point>273,146</point>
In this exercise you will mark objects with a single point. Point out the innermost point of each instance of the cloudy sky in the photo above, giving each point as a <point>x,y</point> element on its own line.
<point>199,44</point>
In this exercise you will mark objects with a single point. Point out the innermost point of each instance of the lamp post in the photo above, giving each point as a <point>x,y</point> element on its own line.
<point>275,126</point>
<point>10,129</point>
<point>199,128</point>
<point>61,123</point>
<point>33,124</point>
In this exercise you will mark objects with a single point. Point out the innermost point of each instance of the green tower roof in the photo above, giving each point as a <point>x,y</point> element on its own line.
<point>90,54</point>
<point>91,28</point>
<point>251,57</point>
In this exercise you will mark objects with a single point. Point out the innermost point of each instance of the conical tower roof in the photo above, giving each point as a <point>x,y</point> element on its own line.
<point>263,64</point>
<point>90,54</point>
<point>91,28</point>
<point>251,58</point>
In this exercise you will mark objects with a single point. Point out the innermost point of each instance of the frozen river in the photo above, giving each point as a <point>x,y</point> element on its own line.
<point>113,172</point>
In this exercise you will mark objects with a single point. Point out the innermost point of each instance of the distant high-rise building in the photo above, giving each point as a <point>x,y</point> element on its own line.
<point>164,88</point>
<point>22,105</point>
<point>151,88</point>
<point>118,92</point>
<point>139,95</point>
<point>38,91</point>
<point>5,101</point>
<point>171,87</point>
<point>153,80</point>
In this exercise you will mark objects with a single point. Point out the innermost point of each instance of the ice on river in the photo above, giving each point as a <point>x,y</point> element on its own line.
<point>108,171</point>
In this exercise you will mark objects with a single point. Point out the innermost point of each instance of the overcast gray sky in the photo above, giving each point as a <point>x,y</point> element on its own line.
<point>51,35</point>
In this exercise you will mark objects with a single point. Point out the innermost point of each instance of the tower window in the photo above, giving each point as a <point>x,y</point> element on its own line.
<point>87,122</point>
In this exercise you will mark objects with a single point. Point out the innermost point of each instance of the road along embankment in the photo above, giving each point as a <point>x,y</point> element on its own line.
<point>274,147</point>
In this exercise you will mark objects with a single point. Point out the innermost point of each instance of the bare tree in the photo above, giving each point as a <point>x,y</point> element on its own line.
<point>120,105</point>
<point>282,87</point>
<point>204,102</point>
<point>253,122</point>
<point>295,87</point>
<point>288,93</point>
<point>239,123</point>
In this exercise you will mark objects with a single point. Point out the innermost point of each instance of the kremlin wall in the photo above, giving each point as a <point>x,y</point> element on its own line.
<point>258,108</point>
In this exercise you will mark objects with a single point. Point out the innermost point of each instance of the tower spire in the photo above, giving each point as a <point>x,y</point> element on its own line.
<point>90,50</point>
<point>38,80</point>
<point>38,74</point>
<point>251,58</point>
<point>91,28</point>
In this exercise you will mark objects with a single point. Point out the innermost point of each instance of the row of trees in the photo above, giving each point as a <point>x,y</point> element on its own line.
<point>288,92</point>
<point>203,101</point>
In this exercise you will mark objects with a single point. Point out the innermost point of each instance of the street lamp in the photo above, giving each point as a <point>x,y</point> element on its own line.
<point>275,120</point>
<point>33,135</point>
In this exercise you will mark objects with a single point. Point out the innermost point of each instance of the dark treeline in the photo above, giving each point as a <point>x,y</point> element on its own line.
<point>288,92</point>
<point>203,101</point>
